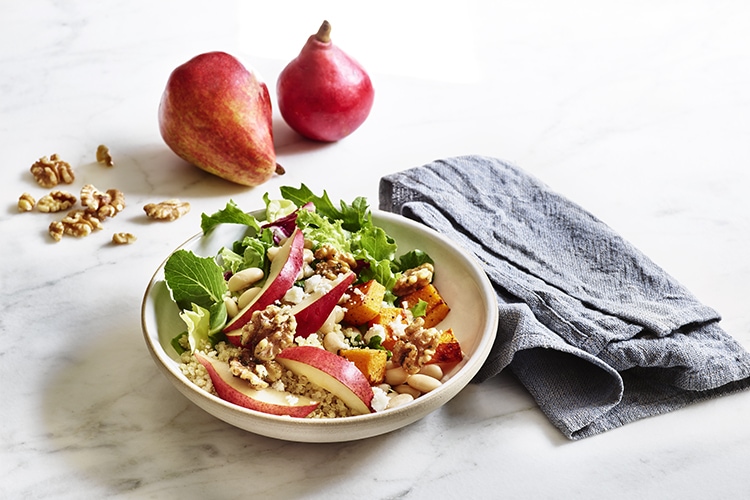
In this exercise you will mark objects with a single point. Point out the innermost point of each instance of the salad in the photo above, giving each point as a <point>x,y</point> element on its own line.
<point>313,313</point>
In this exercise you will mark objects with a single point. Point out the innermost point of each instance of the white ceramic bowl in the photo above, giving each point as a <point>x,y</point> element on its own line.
<point>461,281</point>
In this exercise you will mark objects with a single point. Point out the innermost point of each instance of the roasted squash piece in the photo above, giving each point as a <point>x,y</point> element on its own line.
<point>437,308</point>
<point>386,318</point>
<point>365,302</point>
<point>371,362</point>
<point>448,350</point>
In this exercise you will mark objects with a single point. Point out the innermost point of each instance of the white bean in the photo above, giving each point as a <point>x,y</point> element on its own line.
<point>271,252</point>
<point>396,400</point>
<point>334,341</point>
<point>232,308</point>
<point>247,296</point>
<point>423,383</point>
<point>433,371</point>
<point>396,376</point>
<point>407,389</point>
<point>243,279</point>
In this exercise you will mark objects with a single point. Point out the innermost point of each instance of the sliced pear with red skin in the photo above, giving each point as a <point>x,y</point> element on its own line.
<point>314,310</point>
<point>284,271</point>
<point>235,390</point>
<point>333,373</point>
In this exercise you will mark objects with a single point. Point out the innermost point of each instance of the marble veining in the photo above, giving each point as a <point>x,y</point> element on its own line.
<point>638,111</point>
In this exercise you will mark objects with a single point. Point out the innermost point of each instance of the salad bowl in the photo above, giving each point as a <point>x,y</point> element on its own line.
<point>459,277</point>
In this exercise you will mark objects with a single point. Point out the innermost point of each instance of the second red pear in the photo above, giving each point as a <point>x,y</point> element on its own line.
<point>324,94</point>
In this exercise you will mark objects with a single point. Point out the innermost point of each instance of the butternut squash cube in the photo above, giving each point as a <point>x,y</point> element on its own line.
<point>365,302</point>
<point>371,362</point>
<point>437,308</point>
<point>388,318</point>
<point>448,350</point>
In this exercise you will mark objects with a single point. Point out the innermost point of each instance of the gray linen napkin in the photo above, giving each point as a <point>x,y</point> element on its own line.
<point>597,332</point>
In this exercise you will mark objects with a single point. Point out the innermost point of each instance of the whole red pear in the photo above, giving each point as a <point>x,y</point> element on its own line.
<point>324,94</point>
<point>216,114</point>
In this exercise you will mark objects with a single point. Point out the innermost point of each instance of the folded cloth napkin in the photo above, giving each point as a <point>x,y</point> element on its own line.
<point>597,332</point>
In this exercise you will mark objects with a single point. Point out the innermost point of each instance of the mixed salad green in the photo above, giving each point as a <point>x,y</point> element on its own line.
<point>199,284</point>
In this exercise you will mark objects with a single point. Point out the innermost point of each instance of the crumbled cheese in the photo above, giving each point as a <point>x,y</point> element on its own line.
<point>375,330</point>
<point>398,328</point>
<point>291,399</point>
<point>279,386</point>
<point>379,399</point>
<point>294,295</point>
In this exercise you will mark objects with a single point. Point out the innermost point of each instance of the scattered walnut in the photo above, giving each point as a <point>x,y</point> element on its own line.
<point>26,202</point>
<point>416,347</point>
<point>269,331</point>
<point>103,204</point>
<point>56,230</point>
<point>56,201</point>
<point>331,262</point>
<point>413,279</point>
<point>123,238</point>
<point>103,156</point>
<point>78,223</point>
<point>49,172</point>
<point>168,210</point>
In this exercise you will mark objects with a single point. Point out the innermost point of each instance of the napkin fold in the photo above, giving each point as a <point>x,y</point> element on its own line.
<point>598,333</point>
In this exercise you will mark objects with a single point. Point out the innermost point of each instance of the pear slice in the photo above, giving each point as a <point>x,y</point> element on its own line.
<point>333,373</point>
<point>284,271</point>
<point>313,311</point>
<point>239,392</point>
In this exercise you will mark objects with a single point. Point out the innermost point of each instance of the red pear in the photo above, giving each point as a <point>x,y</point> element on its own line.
<point>238,391</point>
<point>333,373</point>
<point>216,114</point>
<point>324,94</point>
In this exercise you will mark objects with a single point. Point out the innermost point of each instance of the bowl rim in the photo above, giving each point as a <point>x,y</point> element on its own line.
<point>408,413</point>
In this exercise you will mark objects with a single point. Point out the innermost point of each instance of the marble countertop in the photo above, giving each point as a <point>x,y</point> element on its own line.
<point>638,111</point>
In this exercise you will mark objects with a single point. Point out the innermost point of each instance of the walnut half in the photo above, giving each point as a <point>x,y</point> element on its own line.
<point>168,210</point>
<point>56,201</point>
<point>49,172</point>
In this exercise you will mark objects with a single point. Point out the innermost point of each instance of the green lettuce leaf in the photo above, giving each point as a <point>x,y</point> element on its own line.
<point>194,279</point>
<point>230,214</point>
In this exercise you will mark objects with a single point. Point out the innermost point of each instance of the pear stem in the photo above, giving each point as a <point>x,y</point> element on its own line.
<point>324,32</point>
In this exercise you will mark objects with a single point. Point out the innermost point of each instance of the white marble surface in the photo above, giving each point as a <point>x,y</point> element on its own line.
<point>639,111</point>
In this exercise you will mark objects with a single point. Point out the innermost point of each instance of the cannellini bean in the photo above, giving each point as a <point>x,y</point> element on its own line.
<point>423,383</point>
<point>334,341</point>
<point>336,316</point>
<point>232,308</point>
<point>307,256</point>
<point>396,376</point>
<point>407,389</point>
<point>243,279</point>
<point>433,371</point>
<point>396,400</point>
<point>247,296</point>
<point>271,252</point>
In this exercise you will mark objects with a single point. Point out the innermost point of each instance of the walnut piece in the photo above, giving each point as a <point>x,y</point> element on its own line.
<point>49,172</point>
<point>167,210</point>
<point>331,262</point>
<point>413,279</point>
<point>56,201</point>
<point>78,223</point>
<point>103,156</point>
<point>269,331</point>
<point>123,238</point>
<point>26,202</point>
<point>416,347</point>
<point>102,204</point>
